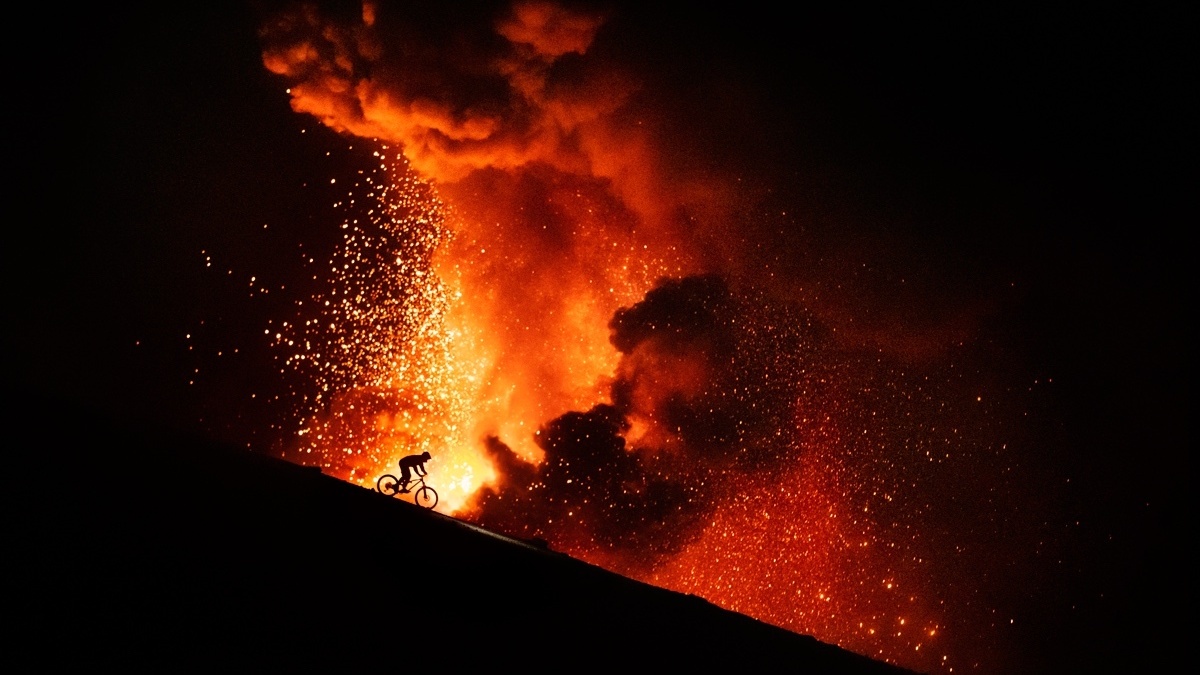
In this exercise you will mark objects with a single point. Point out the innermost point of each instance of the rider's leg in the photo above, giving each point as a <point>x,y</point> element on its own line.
<point>404,479</point>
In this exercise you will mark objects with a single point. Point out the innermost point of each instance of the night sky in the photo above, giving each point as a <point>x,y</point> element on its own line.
<point>930,279</point>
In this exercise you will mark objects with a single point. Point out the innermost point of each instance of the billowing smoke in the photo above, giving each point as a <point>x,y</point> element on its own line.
<point>702,390</point>
<point>481,86</point>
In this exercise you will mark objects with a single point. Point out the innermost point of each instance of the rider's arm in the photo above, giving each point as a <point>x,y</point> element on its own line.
<point>421,469</point>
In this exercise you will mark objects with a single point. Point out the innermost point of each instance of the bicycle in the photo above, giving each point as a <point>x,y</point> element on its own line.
<point>422,496</point>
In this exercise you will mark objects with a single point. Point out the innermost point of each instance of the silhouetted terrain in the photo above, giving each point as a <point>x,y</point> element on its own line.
<point>166,551</point>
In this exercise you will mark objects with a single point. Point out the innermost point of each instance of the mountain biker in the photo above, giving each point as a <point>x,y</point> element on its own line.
<point>411,463</point>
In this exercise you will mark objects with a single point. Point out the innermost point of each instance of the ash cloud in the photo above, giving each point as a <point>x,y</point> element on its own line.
<point>696,403</point>
<point>463,87</point>
<point>690,130</point>
<point>590,495</point>
<point>478,87</point>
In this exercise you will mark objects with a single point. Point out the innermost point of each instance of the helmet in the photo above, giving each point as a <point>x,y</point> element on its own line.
<point>425,454</point>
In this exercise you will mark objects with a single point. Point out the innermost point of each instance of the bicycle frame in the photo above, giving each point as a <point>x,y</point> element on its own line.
<point>422,494</point>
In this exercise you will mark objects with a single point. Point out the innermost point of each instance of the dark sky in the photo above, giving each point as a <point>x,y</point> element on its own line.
<point>161,142</point>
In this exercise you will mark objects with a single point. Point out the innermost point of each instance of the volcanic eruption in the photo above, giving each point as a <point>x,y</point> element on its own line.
<point>573,272</point>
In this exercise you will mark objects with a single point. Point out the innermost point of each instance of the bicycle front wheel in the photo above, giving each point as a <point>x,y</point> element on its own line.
<point>387,484</point>
<point>426,496</point>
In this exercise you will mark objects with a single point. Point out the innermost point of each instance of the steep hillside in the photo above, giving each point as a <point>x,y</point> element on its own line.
<point>173,552</point>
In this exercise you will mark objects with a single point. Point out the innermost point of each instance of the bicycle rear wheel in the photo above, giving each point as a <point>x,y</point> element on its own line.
<point>426,496</point>
<point>387,484</point>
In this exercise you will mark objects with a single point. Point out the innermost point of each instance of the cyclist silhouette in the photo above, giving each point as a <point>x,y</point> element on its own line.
<point>409,464</point>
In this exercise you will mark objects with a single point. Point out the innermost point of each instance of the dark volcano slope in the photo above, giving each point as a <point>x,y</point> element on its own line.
<point>178,553</point>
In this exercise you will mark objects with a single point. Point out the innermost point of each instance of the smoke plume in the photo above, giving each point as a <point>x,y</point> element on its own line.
<point>698,402</point>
